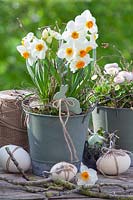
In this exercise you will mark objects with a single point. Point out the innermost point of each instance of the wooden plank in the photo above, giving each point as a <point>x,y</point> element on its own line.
<point>12,192</point>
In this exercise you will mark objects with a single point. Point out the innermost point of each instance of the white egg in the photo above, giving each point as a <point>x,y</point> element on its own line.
<point>21,156</point>
<point>64,171</point>
<point>113,165</point>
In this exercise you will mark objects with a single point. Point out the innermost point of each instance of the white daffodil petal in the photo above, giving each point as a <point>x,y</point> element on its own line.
<point>21,48</point>
<point>66,51</point>
<point>86,13</point>
<point>70,25</point>
<point>39,48</point>
<point>41,55</point>
<point>83,168</point>
<point>45,34</point>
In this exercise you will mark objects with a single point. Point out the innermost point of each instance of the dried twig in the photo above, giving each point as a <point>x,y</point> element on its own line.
<point>17,164</point>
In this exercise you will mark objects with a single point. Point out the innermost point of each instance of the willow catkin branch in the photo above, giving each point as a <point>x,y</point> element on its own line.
<point>113,185</point>
<point>66,184</point>
<point>33,190</point>
<point>93,194</point>
<point>72,188</point>
<point>69,185</point>
<point>26,183</point>
<point>100,185</point>
<point>89,193</point>
<point>17,164</point>
<point>130,191</point>
<point>60,193</point>
<point>49,182</point>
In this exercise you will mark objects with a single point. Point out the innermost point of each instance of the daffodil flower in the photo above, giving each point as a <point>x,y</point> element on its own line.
<point>25,52</point>
<point>83,47</point>
<point>55,34</point>
<point>73,46</point>
<point>87,21</point>
<point>48,34</point>
<point>66,51</point>
<point>39,48</point>
<point>80,63</point>
<point>28,38</point>
<point>73,32</point>
<point>87,176</point>
<point>45,34</point>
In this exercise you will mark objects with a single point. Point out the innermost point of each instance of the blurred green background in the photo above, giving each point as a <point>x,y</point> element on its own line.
<point>114,20</point>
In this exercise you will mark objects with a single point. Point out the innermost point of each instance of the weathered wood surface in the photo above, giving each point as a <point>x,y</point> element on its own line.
<point>12,192</point>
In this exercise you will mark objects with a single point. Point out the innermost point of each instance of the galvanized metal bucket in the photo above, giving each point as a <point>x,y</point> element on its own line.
<point>47,142</point>
<point>120,119</point>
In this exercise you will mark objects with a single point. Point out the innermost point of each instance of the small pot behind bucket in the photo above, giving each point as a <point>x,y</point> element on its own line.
<point>47,142</point>
<point>12,128</point>
<point>116,119</point>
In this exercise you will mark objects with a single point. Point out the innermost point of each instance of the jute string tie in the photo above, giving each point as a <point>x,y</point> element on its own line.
<point>58,105</point>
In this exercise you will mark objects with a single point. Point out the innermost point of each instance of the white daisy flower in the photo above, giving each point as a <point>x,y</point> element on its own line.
<point>39,48</point>
<point>87,176</point>
<point>66,51</point>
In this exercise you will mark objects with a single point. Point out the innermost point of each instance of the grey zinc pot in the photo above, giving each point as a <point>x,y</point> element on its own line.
<point>120,119</point>
<point>47,142</point>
